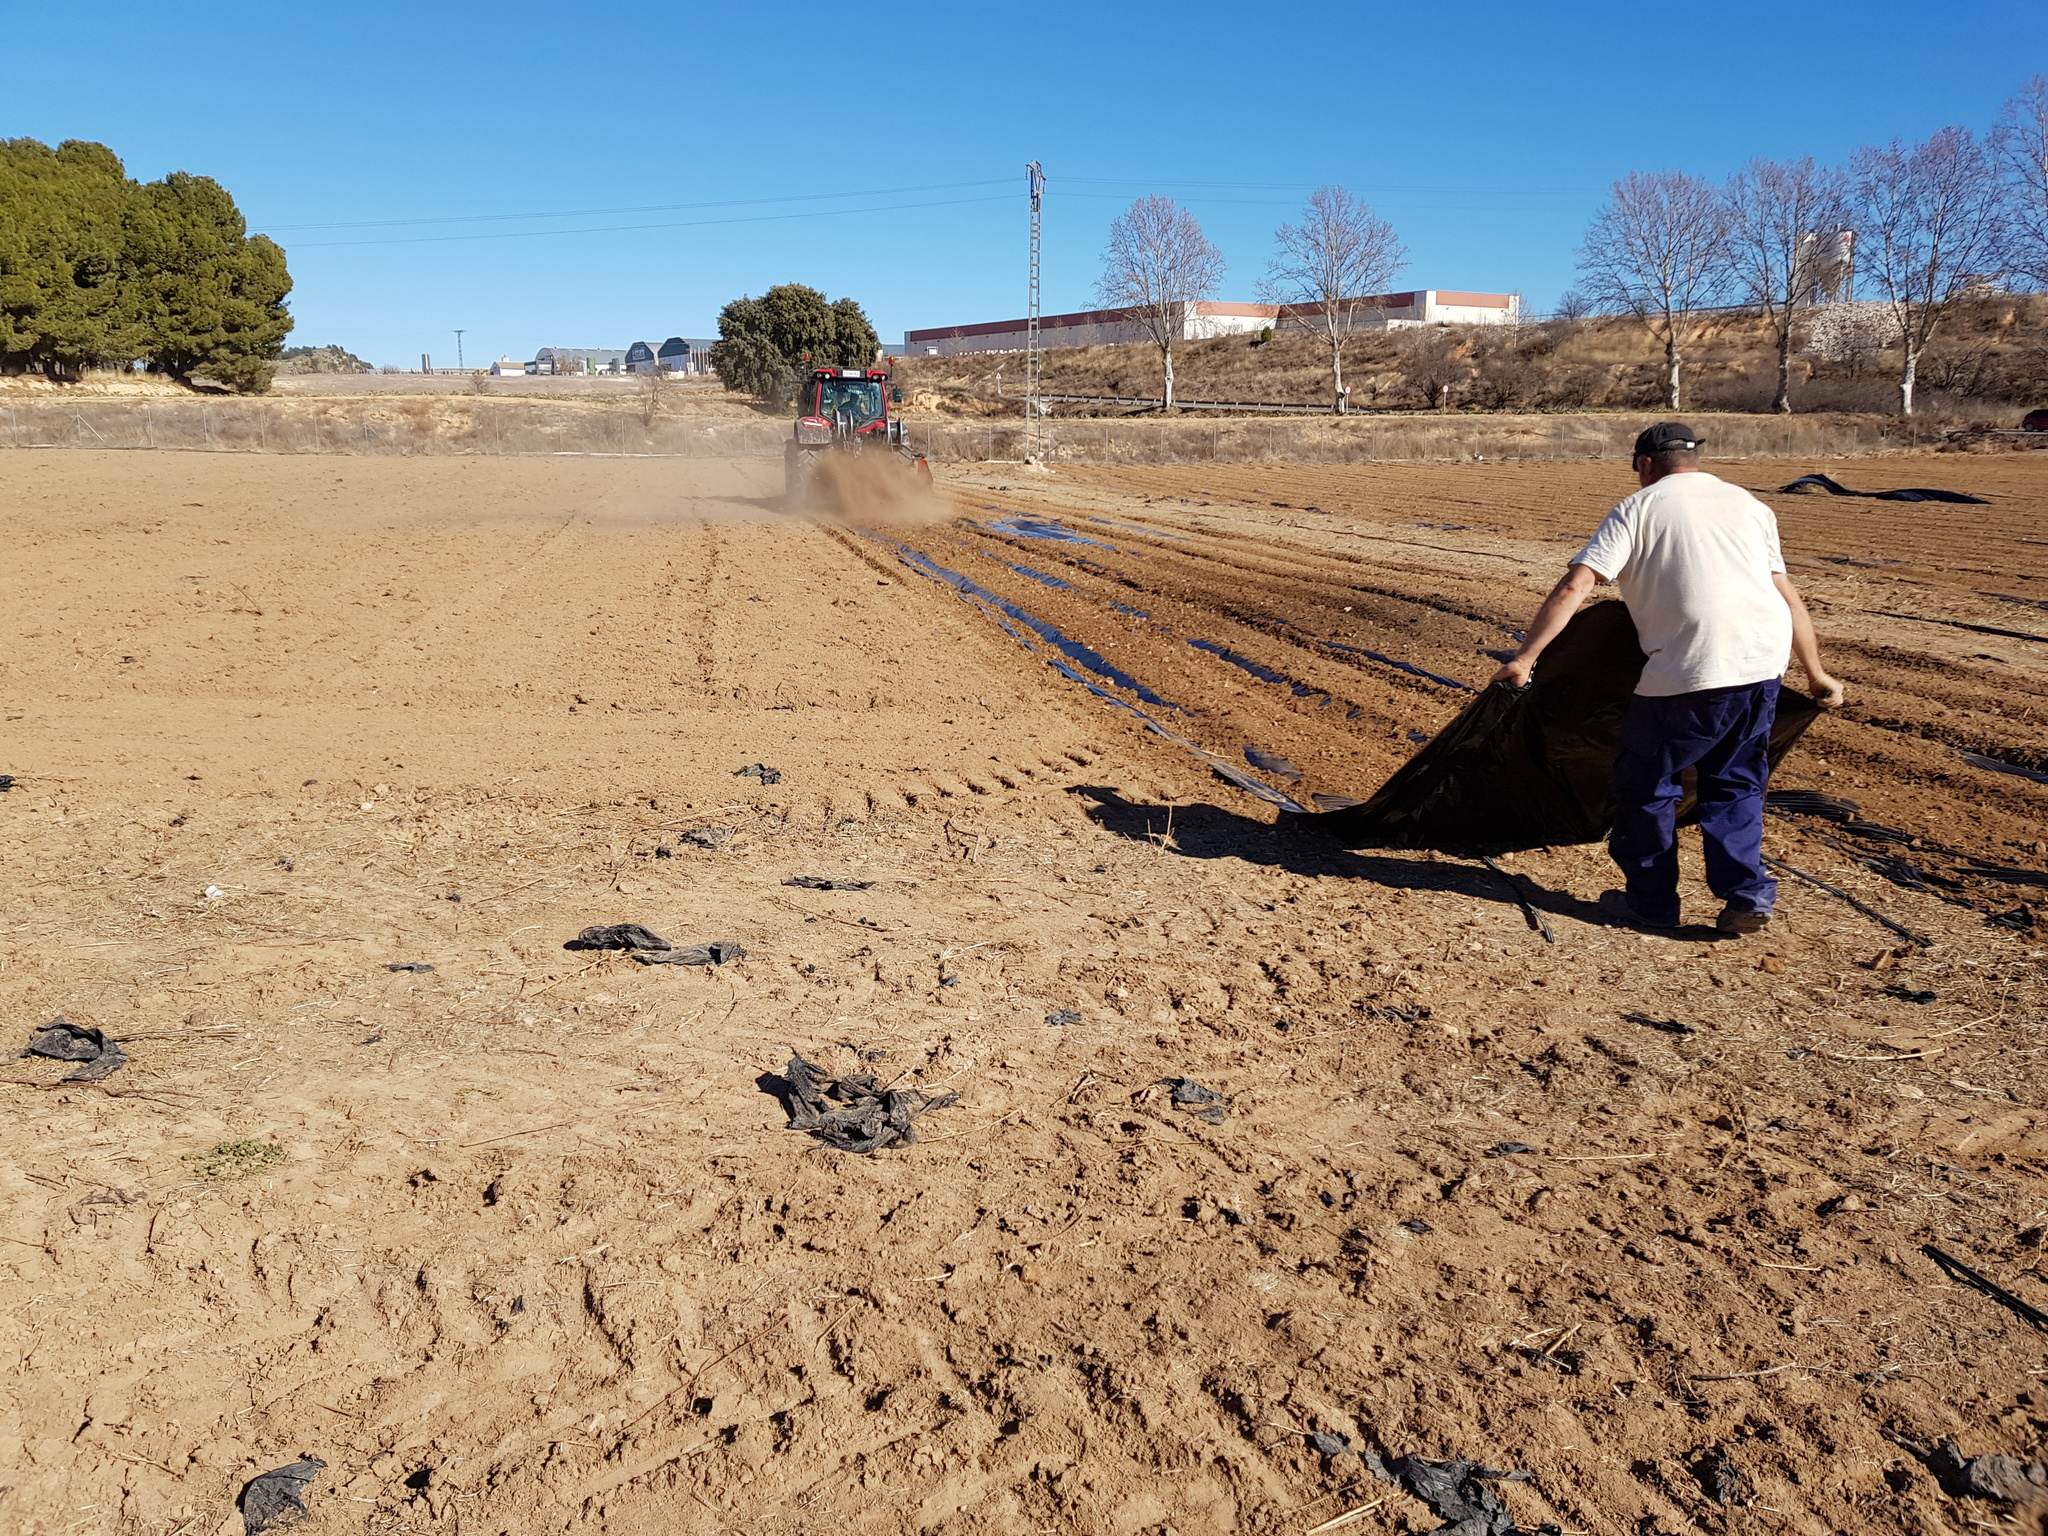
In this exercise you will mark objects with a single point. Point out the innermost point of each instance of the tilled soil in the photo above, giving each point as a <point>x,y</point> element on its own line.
<point>521,1242</point>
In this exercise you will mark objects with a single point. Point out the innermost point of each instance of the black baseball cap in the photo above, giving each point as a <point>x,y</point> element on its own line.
<point>1664,437</point>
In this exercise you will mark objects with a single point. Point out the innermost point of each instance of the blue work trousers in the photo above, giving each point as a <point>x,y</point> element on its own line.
<point>1724,734</point>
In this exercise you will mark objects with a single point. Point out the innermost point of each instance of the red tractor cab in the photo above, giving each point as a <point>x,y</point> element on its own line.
<point>844,410</point>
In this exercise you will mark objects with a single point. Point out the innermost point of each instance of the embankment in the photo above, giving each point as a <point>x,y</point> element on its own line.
<point>469,425</point>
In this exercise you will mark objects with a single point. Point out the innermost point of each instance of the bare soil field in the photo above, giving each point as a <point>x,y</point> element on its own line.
<point>319,763</point>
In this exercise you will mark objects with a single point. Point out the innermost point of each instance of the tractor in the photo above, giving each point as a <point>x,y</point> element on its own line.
<point>845,411</point>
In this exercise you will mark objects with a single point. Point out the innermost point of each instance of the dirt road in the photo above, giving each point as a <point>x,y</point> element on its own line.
<point>520,1242</point>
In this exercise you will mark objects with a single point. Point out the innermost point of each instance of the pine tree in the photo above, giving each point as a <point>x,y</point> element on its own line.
<point>765,343</point>
<point>65,300</point>
<point>96,270</point>
<point>214,296</point>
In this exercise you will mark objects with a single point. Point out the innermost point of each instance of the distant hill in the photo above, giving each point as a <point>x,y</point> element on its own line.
<point>328,359</point>
<point>1989,360</point>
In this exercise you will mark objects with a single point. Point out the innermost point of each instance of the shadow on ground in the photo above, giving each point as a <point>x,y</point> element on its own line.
<point>1204,831</point>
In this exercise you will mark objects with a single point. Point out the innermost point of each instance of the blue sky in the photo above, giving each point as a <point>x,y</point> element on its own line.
<point>686,153</point>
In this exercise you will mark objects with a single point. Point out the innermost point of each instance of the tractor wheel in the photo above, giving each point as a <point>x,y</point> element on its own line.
<point>799,478</point>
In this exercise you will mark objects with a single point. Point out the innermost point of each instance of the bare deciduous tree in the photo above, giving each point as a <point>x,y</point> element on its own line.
<point>1782,220</point>
<point>1658,250</point>
<point>2022,146</point>
<point>1158,265</point>
<point>1340,253</point>
<point>1573,305</point>
<point>1928,229</point>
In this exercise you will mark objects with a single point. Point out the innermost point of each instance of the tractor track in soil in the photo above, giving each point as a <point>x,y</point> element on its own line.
<point>1218,564</point>
<point>535,1251</point>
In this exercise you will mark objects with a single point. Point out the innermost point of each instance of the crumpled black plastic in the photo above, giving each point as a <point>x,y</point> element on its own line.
<point>821,883</point>
<point>277,1498</point>
<point>854,1113</point>
<point>1721,1478</point>
<point>418,968</point>
<point>1808,802</point>
<point>1272,762</point>
<point>60,1040</point>
<point>1455,1490</point>
<point>705,837</point>
<point>1533,767</point>
<point>1508,1148</point>
<point>2004,1479</point>
<point>1806,484</point>
<point>1207,1104</point>
<point>618,936</point>
<point>717,952</point>
<point>759,771</point>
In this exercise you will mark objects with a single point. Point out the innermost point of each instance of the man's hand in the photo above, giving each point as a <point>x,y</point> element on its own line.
<point>1826,691</point>
<point>1515,673</point>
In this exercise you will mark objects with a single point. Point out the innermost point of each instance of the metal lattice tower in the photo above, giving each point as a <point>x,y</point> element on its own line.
<point>1034,407</point>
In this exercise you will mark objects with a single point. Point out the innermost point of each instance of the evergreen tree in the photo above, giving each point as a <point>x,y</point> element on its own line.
<point>854,340</point>
<point>214,296</point>
<point>96,270</point>
<point>65,301</point>
<point>765,343</point>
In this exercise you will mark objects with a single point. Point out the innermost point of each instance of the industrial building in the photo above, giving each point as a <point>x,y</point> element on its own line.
<point>678,354</point>
<point>1215,317</point>
<point>579,360</point>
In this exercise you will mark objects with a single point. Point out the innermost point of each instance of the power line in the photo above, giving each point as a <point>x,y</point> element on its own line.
<point>1304,186</point>
<point>613,229</point>
<point>605,213</point>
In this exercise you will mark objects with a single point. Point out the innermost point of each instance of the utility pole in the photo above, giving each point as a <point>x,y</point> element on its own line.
<point>458,349</point>
<point>1034,362</point>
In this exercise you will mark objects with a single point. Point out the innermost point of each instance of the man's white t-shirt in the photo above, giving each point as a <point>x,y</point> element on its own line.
<point>1693,557</point>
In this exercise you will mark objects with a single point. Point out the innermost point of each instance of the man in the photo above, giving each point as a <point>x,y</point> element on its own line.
<point>1697,562</point>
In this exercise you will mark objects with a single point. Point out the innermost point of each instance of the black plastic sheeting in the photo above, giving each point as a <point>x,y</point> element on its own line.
<point>278,1498</point>
<point>60,1040</point>
<point>1529,768</point>
<point>1806,484</point>
<point>1016,622</point>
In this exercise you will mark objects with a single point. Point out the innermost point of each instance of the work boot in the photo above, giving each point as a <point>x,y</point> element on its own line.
<point>1736,918</point>
<point>1617,906</point>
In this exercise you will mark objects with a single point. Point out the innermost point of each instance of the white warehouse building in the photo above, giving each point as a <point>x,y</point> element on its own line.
<point>1215,317</point>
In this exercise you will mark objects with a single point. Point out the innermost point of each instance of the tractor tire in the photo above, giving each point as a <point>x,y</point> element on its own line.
<point>799,478</point>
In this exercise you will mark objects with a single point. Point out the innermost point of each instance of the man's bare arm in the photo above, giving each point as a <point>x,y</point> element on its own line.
<point>1551,618</point>
<point>1826,691</point>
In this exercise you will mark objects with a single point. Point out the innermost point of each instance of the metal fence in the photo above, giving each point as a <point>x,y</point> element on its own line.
<point>400,425</point>
<point>1426,437</point>
<point>469,425</point>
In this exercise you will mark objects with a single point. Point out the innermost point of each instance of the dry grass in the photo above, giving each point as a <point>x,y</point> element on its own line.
<point>1990,362</point>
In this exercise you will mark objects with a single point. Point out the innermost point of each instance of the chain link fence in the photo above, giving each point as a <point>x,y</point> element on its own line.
<point>1417,438</point>
<point>399,426</point>
<point>468,426</point>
